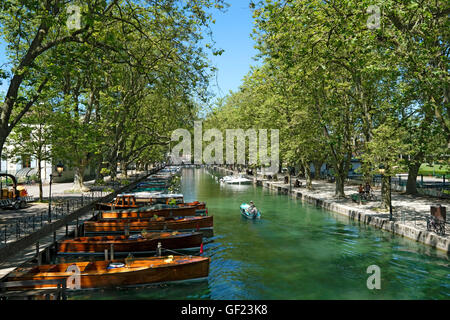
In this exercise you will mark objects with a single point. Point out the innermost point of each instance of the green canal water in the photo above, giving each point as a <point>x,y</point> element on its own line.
<point>296,251</point>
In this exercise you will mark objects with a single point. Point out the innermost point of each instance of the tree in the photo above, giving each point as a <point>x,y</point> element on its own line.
<point>31,137</point>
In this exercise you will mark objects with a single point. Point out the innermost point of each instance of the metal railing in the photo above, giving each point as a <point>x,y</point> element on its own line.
<point>61,287</point>
<point>61,207</point>
<point>428,188</point>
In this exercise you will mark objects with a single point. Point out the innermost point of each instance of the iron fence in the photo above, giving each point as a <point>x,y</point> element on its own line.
<point>60,207</point>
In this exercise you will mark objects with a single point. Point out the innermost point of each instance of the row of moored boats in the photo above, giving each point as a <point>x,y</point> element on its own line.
<point>146,236</point>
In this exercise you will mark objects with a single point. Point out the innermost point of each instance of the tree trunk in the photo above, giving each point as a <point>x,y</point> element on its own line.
<point>78,179</point>
<point>411,184</point>
<point>385,193</point>
<point>113,169</point>
<point>123,168</point>
<point>317,166</point>
<point>340,181</point>
<point>39,167</point>
<point>307,169</point>
<point>340,170</point>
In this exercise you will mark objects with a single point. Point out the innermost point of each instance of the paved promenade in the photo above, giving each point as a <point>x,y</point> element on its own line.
<point>59,191</point>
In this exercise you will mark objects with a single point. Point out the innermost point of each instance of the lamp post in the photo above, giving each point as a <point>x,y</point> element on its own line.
<point>59,169</point>
<point>382,171</point>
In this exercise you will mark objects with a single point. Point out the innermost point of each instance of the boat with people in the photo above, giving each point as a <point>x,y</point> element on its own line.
<point>250,212</point>
<point>153,224</point>
<point>129,271</point>
<point>144,242</point>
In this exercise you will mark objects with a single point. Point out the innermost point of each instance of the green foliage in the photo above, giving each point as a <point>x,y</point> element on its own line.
<point>337,89</point>
<point>114,89</point>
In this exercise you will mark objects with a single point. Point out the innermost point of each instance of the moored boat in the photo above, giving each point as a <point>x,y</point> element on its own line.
<point>149,212</point>
<point>139,199</point>
<point>159,224</point>
<point>156,197</point>
<point>116,273</point>
<point>146,188</point>
<point>140,243</point>
<point>236,180</point>
<point>127,202</point>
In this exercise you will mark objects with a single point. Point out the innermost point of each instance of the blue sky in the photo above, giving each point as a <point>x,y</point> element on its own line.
<point>231,32</point>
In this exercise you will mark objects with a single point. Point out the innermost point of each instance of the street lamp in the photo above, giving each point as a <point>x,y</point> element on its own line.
<point>59,169</point>
<point>382,172</point>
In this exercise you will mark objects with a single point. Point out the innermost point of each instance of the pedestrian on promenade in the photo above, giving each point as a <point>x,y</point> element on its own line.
<point>367,189</point>
<point>360,190</point>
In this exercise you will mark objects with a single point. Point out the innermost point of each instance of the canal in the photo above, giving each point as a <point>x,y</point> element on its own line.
<point>296,251</point>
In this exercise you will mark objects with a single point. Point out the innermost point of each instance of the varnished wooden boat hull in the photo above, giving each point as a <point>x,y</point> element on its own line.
<point>118,226</point>
<point>122,244</point>
<point>96,275</point>
<point>139,214</point>
<point>108,206</point>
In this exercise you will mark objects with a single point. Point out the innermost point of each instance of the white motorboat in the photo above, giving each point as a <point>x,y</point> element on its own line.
<point>236,180</point>
<point>226,178</point>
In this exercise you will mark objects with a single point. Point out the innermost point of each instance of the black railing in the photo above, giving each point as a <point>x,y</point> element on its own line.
<point>61,207</point>
<point>61,287</point>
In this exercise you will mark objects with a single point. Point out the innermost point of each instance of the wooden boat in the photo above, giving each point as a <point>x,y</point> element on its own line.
<point>154,183</point>
<point>244,212</point>
<point>159,224</point>
<point>142,243</point>
<point>116,273</point>
<point>129,201</point>
<point>144,189</point>
<point>155,197</point>
<point>150,212</point>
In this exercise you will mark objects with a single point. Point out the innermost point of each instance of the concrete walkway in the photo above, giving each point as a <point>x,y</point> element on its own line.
<point>60,192</point>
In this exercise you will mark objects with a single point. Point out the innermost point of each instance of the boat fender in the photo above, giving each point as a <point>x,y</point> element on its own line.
<point>114,265</point>
<point>169,259</point>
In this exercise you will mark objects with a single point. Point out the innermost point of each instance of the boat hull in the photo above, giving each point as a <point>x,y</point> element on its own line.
<point>136,225</point>
<point>122,244</point>
<point>142,213</point>
<point>97,275</point>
